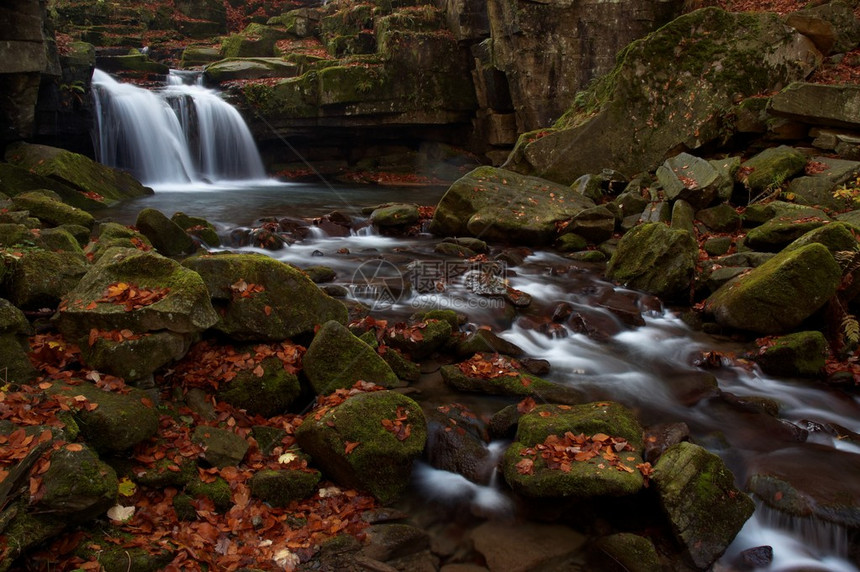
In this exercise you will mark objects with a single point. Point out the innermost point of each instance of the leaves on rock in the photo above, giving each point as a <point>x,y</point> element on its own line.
<point>397,426</point>
<point>559,452</point>
<point>132,296</point>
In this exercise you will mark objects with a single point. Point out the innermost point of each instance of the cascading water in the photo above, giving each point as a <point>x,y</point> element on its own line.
<point>177,135</point>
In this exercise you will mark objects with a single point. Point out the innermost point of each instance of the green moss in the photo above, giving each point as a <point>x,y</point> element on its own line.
<point>52,212</point>
<point>605,417</point>
<point>267,395</point>
<point>280,488</point>
<point>163,473</point>
<point>217,491</point>
<point>183,505</point>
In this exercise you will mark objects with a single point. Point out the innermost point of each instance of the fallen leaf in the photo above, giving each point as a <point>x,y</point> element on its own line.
<point>120,513</point>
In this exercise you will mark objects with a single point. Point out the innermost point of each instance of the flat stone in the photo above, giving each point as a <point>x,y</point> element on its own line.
<point>523,547</point>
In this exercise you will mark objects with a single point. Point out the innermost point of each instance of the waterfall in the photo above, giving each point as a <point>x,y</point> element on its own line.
<point>182,133</point>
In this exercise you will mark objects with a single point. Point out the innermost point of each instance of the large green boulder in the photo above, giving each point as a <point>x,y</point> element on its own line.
<point>15,180</point>
<point>801,354</point>
<point>39,279</point>
<point>77,485</point>
<point>279,488</point>
<point>262,299</point>
<point>768,170</point>
<point>169,238</point>
<point>198,227</point>
<point>112,234</point>
<point>50,211</point>
<point>778,232</point>
<point>255,41</point>
<point>698,495</point>
<point>390,431</point>
<point>579,452</point>
<point>671,89</point>
<point>778,295</point>
<point>249,68</point>
<point>822,188</point>
<point>499,205</point>
<point>336,359</point>
<point>835,236</point>
<point>134,356</point>
<point>513,383</point>
<point>656,259</point>
<point>76,171</point>
<point>267,391</point>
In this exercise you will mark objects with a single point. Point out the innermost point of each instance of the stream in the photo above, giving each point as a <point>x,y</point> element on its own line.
<point>650,367</point>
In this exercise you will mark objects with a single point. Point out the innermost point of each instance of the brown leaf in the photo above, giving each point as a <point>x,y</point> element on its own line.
<point>350,446</point>
<point>525,466</point>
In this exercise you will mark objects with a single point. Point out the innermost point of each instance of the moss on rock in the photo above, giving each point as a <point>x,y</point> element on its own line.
<point>268,394</point>
<point>52,212</point>
<point>799,354</point>
<point>280,488</point>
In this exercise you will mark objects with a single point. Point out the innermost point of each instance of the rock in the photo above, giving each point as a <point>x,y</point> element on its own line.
<point>682,217</point>
<point>255,41</point>
<point>250,289</point>
<point>138,356</point>
<point>525,546</point>
<point>520,385</point>
<point>457,443</point>
<point>395,216</point>
<point>689,178</point>
<point>403,368</point>
<point>197,56</point>
<point>39,279</point>
<point>381,463</point>
<point>717,246</point>
<point>587,478</point>
<point>111,234</point>
<point>14,329</point>
<point>76,171</point>
<point>776,233</point>
<point>15,180</point>
<point>570,243</point>
<point>655,259</point>
<point>778,295</point>
<point>77,485</point>
<point>769,169</point>
<point>721,218</point>
<point>485,341</point>
<point>52,212</point>
<point>221,447</point>
<point>118,422</point>
<point>60,239</point>
<point>660,437</point>
<point>595,224</point>
<point>452,250</point>
<point>166,236</point>
<point>473,244</point>
<point>336,359</point>
<point>625,552</point>
<point>755,558</point>
<point>698,495</point>
<point>218,491</point>
<point>279,488</point>
<point>821,188</point>
<point>472,206</point>
<point>268,394</point>
<point>199,227</point>
<point>832,24</point>
<point>135,64</point>
<point>420,340</point>
<point>320,274</point>
<point>390,541</point>
<point>629,121</point>
<point>800,354</point>
<point>818,104</point>
<point>235,68</point>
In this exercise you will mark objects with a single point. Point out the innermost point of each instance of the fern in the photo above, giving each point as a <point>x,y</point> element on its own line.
<point>850,330</point>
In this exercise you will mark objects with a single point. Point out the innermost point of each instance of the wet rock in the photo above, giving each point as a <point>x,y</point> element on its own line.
<point>518,385</point>
<point>656,259</point>
<point>452,250</point>
<point>391,541</point>
<point>778,295</point>
<point>533,206</point>
<point>336,359</point>
<point>624,306</point>
<point>624,552</point>
<point>250,314</point>
<point>660,437</point>
<point>755,558</point>
<point>395,216</point>
<point>51,210</point>
<point>525,546</point>
<point>570,242</point>
<point>168,237</point>
<point>698,495</point>
<point>594,224</point>
<point>431,335</point>
<point>381,463</point>
<point>456,442</point>
<point>221,447</point>
<point>77,485</point>
<point>320,274</point>
<point>778,232</point>
<point>799,354</point>
<point>198,227</point>
<point>474,244</point>
<point>537,367</point>
<point>279,488</point>
<point>15,180</point>
<point>268,394</point>
<point>586,478</point>
<point>111,234</point>
<point>403,368</point>
<point>482,341</point>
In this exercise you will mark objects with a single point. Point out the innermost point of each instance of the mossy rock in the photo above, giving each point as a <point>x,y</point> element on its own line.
<point>267,395</point>
<point>776,233</point>
<point>112,234</point>
<point>221,447</point>
<point>137,357</point>
<point>281,487</point>
<point>799,354</point>
<point>76,171</point>
<point>320,274</point>
<point>185,309</point>
<point>15,180</point>
<point>198,56</point>
<point>520,385</point>
<point>26,530</point>
<point>625,552</point>
<point>232,69</point>
<point>721,218</point>
<point>336,359</point>
<point>197,226</point>
<point>12,320</point>
<point>218,491</point>
<point>689,178</point>
<point>485,341</point>
<point>12,233</point>
<point>594,477</point>
<point>778,295</point>
<point>52,212</point>
<point>40,279</point>
<point>656,259</point>
<point>112,558</point>
<point>381,463</point>
<point>255,41</point>
<point>16,365</point>
<point>433,335</point>
<point>835,236</point>
<point>698,495</point>
<point>164,474</point>
<point>263,315</point>
<point>402,367</point>
<point>137,63</point>
<point>570,242</point>
<point>769,169</point>
<point>58,240</point>
<point>533,207</point>
<point>119,422</point>
<point>78,485</point>
<point>396,215</point>
<point>166,236</point>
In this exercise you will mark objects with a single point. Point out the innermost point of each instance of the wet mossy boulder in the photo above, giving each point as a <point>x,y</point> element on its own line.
<point>421,339</point>
<point>395,216</point>
<point>778,295</point>
<point>118,422</point>
<point>197,226</point>
<point>168,238</point>
<point>135,356</point>
<point>268,394</point>
<point>184,307</point>
<point>457,443</point>
<point>262,299</point>
<point>59,239</point>
<point>51,211</point>
<point>279,488</point>
<point>656,259</point>
<point>391,433</point>
<point>499,205</point>
<point>199,56</point>
<point>112,234</point>
<point>15,180</point>
<point>221,447</point>
<point>40,279</point>
<point>77,485</point>
<point>336,359</point>
<point>799,354</point>
<point>698,495</point>
<point>778,232</point>
<point>514,383</point>
<point>669,90</point>
<point>595,476</point>
<point>485,341</point>
<point>76,171</point>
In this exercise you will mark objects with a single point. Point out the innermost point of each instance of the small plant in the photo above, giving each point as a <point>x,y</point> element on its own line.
<point>849,191</point>
<point>844,326</point>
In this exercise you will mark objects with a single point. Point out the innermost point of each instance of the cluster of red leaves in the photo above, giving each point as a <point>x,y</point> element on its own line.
<point>781,7</point>
<point>560,452</point>
<point>15,446</point>
<point>491,366</point>
<point>338,396</point>
<point>410,332</point>
<point>131,296</point>
<point>310,46</point>
<point>92,195</point>
<point>208,365</point>
<point>59,360</point>
<point>397,426</point>
<point>242,289</point>
<point>113,335</point>
<point>815,167</point>
<point>847,70</point>
<point>426,212</point>
<point>390,179</point>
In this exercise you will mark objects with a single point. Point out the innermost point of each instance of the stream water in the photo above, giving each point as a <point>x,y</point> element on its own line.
<point>189,147</point>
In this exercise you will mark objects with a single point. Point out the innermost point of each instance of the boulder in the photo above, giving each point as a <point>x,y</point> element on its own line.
<point>166,236</point>
<point>689,178</point>
<point>60,239</point>
<point>199,56</point>
<point>221,447</point>
<point>232,69</point>
<point>626,552</point>
<point>523,546</point>
<point>485,341</point>
<point>594,452</point>
<point>799,354</point>
<point>818,104</point>
<point>778,232</point>
<point>52,212</point>
<point>77,485</point>
<point>669,90</point>
<point>262,299</point>
<point>721,218</point>
<point>513,383</point>
<point>656,259</point>
<point>821,189</point>
<point>778,295</point>
<point>390,431</point>
<point>768,170</point>
<point>698,495</point>
<point>595,224</point>
<point>76,171</point>
<point>421,339</point>
<point>197,226</point>
<point>280,487</point>
<point>39,279</point>
<point>396,215</point>
<point>255,41</point>
<point>135,356</point>
<point>499,205</point>
<point>835,236</point>
<point>456,442</point>
<point>111,234</point>
<point>336,359</point>
<point>14,329</point>
<point>268,394</point>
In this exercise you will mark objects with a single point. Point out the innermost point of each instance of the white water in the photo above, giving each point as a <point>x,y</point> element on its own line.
<point>179,135</point>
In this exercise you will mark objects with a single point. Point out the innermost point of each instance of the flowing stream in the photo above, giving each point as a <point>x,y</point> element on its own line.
<point>650,367</point>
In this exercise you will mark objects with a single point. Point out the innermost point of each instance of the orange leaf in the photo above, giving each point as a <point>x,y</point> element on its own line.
<point>525,467</point>
<point>267,310</point>
<point>91,306</point>
<point>74,447</point>
<point>350,445</point>
<point>258,371</point>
